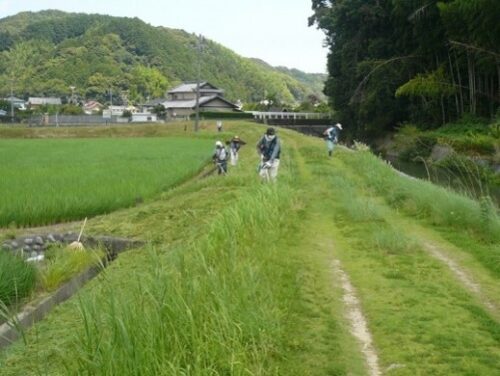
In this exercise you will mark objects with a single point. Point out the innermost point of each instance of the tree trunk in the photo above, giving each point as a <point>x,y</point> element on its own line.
<point>472,83</point>
<point>460,87</point>
<point>454,84</point>
<point>443,112</point>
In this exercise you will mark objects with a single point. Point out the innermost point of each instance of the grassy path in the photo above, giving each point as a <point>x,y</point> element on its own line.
<point>341,268</point>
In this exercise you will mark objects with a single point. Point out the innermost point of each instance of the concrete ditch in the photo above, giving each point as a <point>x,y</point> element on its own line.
<point>11,330</point>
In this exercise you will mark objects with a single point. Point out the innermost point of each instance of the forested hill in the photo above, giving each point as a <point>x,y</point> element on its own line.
<point>44,53</point>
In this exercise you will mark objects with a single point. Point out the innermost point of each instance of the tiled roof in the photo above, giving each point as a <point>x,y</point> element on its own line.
<point>189,87</point>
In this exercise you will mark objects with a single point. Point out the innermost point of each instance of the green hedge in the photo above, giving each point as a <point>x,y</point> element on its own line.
<point>223,115</point>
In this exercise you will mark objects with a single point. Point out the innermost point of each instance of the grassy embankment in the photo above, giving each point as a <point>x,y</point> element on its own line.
<point>237,278</point>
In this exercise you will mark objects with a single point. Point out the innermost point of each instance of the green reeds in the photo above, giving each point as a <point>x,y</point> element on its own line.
<point>17,278</point>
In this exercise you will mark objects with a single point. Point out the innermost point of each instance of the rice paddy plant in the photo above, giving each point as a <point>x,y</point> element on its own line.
<point>55,180</point>
<point>61,264</point>
<point>211,308</point>
<point>17,278</point>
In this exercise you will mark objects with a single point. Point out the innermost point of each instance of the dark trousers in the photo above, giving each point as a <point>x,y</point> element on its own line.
<point>222,167</point>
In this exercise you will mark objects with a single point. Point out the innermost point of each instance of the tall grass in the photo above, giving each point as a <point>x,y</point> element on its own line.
<point>423,199</point>
<point>49,181</point>
<point>17,278</point>
<point>61,264</point>
<point>212,308</point>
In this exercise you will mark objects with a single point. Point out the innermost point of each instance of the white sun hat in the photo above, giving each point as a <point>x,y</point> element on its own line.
<point>339,126</point>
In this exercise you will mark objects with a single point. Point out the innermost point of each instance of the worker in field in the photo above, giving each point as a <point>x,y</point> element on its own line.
<point>219,126</point>
<point>269,149</point>
<point>332,137</point>
<point>234,147</point>
<point>220,158</point>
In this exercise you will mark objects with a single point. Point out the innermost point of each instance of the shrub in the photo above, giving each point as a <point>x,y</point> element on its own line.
<point>17,278</point>
<point>420,147</point>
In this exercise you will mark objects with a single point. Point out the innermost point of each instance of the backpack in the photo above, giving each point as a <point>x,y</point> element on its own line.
<point>222,154</point>
<point>266,148</point>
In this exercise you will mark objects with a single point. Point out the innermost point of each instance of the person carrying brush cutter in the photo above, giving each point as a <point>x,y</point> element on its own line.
<point>332,137</point>
<point>220,158</point>
<point>269,149</point>
<point>234,147</point>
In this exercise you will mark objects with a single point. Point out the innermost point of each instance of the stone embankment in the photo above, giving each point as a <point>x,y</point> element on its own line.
<point>33,246</point>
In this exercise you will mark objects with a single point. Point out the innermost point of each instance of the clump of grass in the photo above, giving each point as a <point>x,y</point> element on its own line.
<point>17,278</point>
<point>61,264</point>
<point>392,240</point>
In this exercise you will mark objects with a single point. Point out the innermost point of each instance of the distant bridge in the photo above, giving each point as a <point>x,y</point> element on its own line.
<point>310,123</point>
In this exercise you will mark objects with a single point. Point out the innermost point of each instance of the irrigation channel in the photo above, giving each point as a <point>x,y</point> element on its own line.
<point>33,312</point>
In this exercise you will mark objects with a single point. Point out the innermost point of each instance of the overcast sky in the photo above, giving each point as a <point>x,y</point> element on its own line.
<point>272,30</point>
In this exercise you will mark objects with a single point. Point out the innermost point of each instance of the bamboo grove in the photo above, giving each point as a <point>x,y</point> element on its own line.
<point>426,62</point>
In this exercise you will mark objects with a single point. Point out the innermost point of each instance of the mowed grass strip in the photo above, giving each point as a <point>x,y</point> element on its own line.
<point>47,181</point>
<point>423,321</point>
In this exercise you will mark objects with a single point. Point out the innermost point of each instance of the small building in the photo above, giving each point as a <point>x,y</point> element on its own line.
<point>92,107</point>
<point>119,110</point>
<point>34,102</point>
<point>3,113</point>
<point>181,100</point>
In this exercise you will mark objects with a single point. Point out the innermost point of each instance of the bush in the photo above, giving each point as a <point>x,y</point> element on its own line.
<point>17,278</point>
<point>420,147</point>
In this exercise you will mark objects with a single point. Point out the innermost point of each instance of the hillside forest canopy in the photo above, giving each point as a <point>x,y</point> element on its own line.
<point>426,62</point>
<point>44,53</point>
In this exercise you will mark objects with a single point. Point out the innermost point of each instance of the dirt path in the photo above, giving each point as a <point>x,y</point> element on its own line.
<point>463,276</point>
<point>359,326</point>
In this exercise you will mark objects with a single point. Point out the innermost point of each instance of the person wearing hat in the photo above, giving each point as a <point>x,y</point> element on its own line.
<point>269,149</point>
<point>332,137</point>
<point>220,158</point>
<point>234,147</point>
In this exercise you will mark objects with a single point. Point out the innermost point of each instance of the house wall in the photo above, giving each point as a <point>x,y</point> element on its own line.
<point>182,96</point>
<point>144,118</point>
<point>180,112</point>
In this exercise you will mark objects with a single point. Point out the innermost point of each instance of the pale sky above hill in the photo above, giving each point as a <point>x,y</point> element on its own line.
<point>272,30</point>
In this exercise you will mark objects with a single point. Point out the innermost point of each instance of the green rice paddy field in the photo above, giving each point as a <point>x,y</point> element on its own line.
<point>47,181</point>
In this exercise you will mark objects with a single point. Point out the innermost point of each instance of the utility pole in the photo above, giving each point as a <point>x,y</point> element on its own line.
<point>110,97</point>
<point>11,102</point>
<point>197,120</point>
